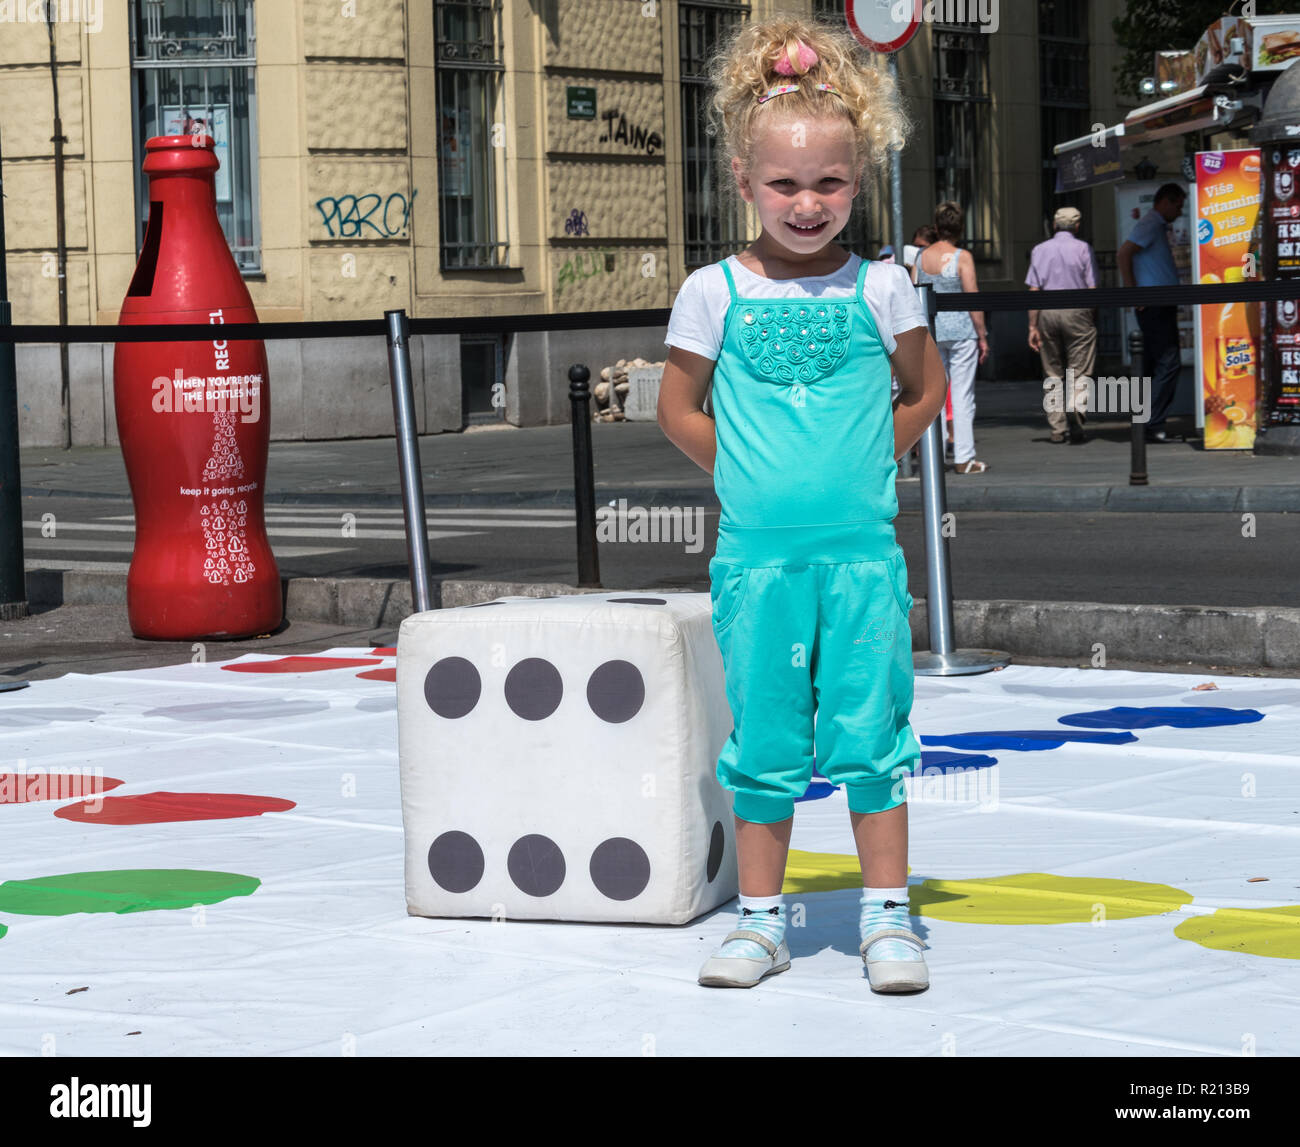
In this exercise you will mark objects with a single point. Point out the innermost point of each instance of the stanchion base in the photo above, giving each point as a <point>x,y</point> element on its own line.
<point>958,663</point>
<point>10,686</point>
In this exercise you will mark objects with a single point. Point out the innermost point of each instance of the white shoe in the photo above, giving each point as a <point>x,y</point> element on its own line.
<point>896,975</point>
<point>741,972</point>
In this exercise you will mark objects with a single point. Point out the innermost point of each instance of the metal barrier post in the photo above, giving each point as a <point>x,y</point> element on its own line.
<point>408,457</point>
<point>13,582</point>
<point>13,589</point>
<point>943,660</point>
<point>584,482</point>
<point>1137,475</point>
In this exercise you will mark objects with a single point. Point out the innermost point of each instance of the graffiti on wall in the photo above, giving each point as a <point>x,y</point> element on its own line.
<point>636,137</point>
<point>368,216</point>
<point>576,223</point>
<point>583,265</point>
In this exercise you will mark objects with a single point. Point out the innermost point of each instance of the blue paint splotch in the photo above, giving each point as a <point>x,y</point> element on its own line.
<point>932,763</point>
<point>1153,716</point>
<point>817,790</point>
<point>1023,740</point>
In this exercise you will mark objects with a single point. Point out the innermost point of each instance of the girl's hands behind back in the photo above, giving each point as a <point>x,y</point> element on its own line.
<point>681,406</point>
<point>922,386</point>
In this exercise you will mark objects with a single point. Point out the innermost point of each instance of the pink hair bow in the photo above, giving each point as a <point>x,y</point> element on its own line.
<point>807,57</point>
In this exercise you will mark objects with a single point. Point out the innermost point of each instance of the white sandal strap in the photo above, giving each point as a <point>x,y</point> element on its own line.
<point>757,937</point>
<point>892,934</point>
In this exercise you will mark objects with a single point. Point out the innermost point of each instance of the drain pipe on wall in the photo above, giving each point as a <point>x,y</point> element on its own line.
<point>65,404</point>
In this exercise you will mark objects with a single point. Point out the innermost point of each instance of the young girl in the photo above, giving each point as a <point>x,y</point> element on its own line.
<point>809,586</point>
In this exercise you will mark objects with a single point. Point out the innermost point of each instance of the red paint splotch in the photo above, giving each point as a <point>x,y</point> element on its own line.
<point>301,664</point>
<point>160,808</point>
<point>379,674</point>
<point>25,788</point>
<point>385,651</point>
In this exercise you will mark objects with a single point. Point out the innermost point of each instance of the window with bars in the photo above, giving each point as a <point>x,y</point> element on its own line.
<point>192,63</point>
<point>963,132</point>
<point>1063,90</point>
<point>712,232</point>
<point>469,86</point>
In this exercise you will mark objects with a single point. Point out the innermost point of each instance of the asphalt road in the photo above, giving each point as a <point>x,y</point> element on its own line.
<point>1153,558</point>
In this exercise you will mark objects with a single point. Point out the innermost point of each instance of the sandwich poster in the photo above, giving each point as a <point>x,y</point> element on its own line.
<point>1272,42</point>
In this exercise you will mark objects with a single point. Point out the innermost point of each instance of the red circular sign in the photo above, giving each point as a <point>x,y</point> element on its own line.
<point>883,25</point>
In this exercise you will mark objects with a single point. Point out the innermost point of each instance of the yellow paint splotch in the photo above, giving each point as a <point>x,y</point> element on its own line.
<point>1042,898</point>
<point>1256,931</point>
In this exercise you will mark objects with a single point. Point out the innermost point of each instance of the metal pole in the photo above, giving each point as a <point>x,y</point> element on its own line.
<point>584,482</point>
<point>896,211</point>
<point>896,178</point>
<point>408,458</point>
<point>13,588</point>
<point>60,223</point>
<point>1137,475</point>
<point>943,660</point>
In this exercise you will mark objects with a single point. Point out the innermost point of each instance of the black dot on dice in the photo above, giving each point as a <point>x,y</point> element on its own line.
<point>616,691</point>
<point>717,842</point>
<point>456,861</point>
<point>452,687</point>
<point>536,865</point>
<point>620,868</point>
<point>639,600</point>
<point>534,689</point>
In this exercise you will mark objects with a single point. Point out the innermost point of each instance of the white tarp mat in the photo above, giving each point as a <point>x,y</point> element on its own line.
<point>1093,897</point>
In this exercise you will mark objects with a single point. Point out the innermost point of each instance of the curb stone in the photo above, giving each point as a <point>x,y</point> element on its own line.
<point>1238,637</point>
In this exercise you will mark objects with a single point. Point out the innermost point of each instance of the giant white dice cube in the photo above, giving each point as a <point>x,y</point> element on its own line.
<point>558,759</point>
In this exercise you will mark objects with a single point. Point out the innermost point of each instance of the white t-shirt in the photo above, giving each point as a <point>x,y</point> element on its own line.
<point>700,310</point>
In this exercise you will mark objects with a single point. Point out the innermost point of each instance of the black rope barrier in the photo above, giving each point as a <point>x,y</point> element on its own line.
<point>1183,295</point>
<point>1199,294</point>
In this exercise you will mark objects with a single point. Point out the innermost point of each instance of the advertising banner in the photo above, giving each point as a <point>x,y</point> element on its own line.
<point>1282,262</point>
<point>1228,196</point>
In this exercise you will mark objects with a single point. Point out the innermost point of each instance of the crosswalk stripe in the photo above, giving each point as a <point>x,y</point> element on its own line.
<point>95,546</point>
<point>397,512</point>
<point>275,531</point>
<point>76,567</point>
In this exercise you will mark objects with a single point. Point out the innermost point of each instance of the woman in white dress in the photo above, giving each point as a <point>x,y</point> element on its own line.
<point>960,335</point>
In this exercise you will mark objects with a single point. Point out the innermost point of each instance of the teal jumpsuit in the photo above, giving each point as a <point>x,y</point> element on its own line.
<point>809,585</point>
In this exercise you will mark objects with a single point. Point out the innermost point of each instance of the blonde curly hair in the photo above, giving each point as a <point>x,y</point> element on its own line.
<point>743,68</point>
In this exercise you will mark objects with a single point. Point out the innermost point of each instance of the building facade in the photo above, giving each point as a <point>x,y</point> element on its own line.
<point>480,157</point>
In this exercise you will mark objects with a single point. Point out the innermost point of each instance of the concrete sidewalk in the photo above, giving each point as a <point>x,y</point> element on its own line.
<point>506,466</point>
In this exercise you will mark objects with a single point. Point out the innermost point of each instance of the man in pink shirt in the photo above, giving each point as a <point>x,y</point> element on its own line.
<point>1067,340</point>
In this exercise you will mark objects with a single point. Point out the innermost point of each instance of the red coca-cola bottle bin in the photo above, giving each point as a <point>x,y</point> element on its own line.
<point>194,420</point>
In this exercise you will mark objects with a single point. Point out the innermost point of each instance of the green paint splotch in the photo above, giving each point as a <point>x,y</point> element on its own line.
<point>121,890</point>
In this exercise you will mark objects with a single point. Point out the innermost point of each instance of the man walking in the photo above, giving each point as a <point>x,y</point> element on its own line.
<point>1066,339</point>
<point>1146,260</point>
